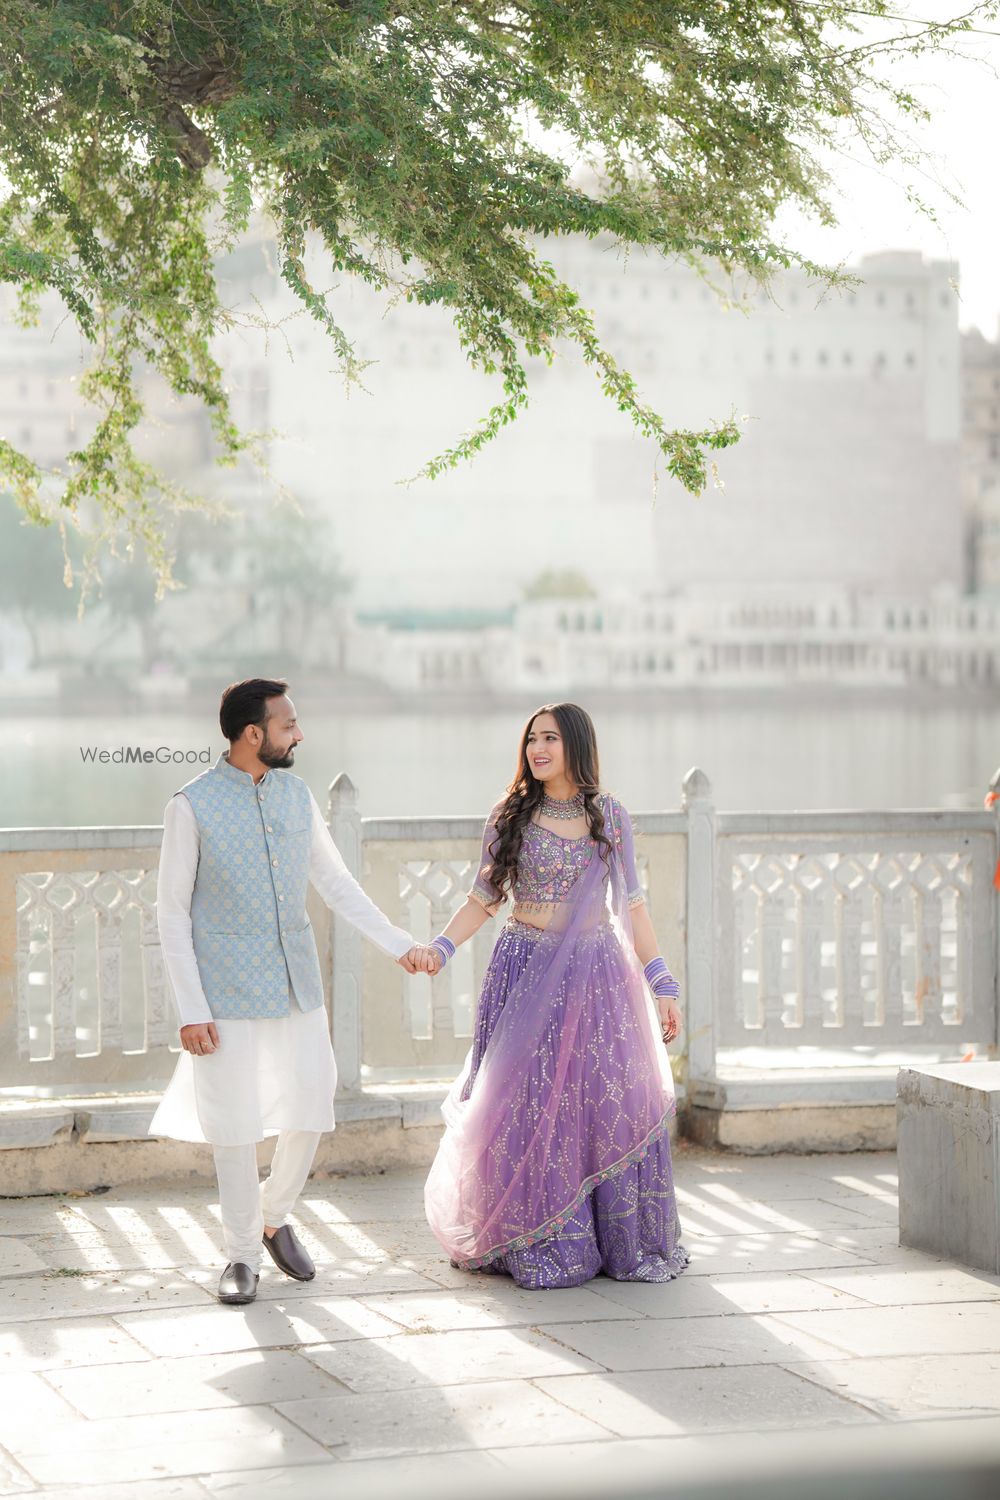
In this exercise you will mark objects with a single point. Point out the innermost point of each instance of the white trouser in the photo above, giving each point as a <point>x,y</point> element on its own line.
<point>248,1204</point>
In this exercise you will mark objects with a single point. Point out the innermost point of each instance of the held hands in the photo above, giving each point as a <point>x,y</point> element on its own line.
<point>421,959</point>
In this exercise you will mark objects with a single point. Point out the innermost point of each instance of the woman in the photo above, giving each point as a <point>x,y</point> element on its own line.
<point>555,1164</point>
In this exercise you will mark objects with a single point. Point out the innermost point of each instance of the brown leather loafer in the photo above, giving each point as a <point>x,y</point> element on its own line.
<point>288,1255</point>
<point>238,1283</point>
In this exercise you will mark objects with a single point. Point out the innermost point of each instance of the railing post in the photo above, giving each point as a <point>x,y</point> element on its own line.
<point>344,822</point>
<point>702,939</point>
<point>995,807</point>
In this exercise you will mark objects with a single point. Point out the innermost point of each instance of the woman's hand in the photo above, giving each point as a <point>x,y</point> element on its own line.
<point>421,959</point>
<point>670,1020</point>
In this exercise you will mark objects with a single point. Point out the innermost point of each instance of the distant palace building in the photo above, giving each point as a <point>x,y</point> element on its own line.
<point>847,474</point>
<point>849,484</point>
<point>769,639</point>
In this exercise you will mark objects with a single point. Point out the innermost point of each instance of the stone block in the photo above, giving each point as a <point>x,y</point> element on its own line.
<point>28,1124</point>
<point>948,1122</point>
<point>808,1128</point>
<point>116,1120</point>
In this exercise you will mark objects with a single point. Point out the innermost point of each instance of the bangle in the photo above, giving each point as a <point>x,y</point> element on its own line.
<point>660,980</point>
<point>444,946</point>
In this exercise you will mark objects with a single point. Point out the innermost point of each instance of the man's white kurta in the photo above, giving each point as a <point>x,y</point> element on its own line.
<point>267,1075</point>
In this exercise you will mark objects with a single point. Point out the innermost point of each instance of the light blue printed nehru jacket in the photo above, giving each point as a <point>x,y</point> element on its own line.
<point>252,939</point>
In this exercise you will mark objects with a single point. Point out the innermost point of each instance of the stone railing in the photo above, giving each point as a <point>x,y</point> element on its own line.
<point>814,950</point>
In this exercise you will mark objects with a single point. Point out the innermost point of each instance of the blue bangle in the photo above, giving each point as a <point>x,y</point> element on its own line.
<point>660,980</point>
<point>445,947</point>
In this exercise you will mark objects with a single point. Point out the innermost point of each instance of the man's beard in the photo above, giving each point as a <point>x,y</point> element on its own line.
<point>278,761</point>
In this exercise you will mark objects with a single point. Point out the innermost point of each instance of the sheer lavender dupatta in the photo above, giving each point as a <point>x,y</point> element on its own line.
<point>556,1107</point>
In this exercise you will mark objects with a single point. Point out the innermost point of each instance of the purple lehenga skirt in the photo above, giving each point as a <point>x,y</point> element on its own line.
<point>626,1226</point>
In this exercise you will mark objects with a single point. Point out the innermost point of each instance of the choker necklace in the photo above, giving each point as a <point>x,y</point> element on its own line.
<point>555,807</point>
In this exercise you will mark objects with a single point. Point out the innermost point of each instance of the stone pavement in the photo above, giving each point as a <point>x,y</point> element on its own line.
<point>120,1374</point>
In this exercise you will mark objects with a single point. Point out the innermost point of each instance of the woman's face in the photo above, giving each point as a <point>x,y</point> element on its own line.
<point>546,755</point>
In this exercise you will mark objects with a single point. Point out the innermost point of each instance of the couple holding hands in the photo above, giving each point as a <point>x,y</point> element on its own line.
<point>555,1161</point>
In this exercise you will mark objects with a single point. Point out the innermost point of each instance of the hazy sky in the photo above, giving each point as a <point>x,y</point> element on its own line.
<point>964,96</point>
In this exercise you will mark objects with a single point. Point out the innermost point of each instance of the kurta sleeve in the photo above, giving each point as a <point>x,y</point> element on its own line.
<point>179,855</point>
<point>625,845</point>
<point>483,890</point>
<point>342,893</point>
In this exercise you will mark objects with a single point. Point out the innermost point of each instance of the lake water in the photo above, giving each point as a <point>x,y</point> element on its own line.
<point>444,761</point>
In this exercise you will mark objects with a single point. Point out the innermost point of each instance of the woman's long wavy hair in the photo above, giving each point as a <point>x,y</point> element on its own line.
<point>525,792</point>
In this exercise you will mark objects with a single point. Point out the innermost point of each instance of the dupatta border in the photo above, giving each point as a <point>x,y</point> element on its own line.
<point>558,1221</point>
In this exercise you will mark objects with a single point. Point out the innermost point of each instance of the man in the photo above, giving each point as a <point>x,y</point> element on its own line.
<point>241,843</point>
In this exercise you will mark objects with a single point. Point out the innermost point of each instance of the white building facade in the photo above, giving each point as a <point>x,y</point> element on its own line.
<point>786,640</point>
<point>847,474</point>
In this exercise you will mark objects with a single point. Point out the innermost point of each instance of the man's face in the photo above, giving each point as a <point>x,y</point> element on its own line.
<point>281,734</point>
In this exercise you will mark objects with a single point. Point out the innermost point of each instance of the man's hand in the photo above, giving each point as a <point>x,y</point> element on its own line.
<point>200,1039</point>
<point>421,960</point>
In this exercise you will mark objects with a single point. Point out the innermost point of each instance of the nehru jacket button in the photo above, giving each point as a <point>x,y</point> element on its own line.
<point>274,861</point>
<point>269,828</point>
<point>281,898</point>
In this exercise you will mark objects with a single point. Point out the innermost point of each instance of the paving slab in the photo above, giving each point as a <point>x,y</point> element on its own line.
<point>489,1414</point>
<point>879,1245</point>
<point>915,1386</point>
<point>37,1215</point>
<point>876,1210</point>
<point>154,1447</point>
<point>873,1171</point>
<point>349,1280</point>
<point>95,1252</point>
<point>53,1295</point>
<point>766,1181</point>
<point>170,1234</point>
<point>144,1489</point>
<point>645,1344</point>
<point>951,1328</point>
<point>704,1216</point>
<point>13,1479</point>
<point>497,1304</point>
<point>612,1458</point>
<point>671,1403</point>
<point>18,1258</point>
<point>901,1286</point>
<point>259,1325</point>
<point>330,1478</point>
<point>27,1401</point>
<point>439,1271</point>
<point>363,1200</point>
<point>378,1239</point>
<point>701,1296</point>
<point>443,1359</point>
<point>54,1345</point>
<point>249,1377</point>
<point>763,1252</point>
<point>731,1456</point>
